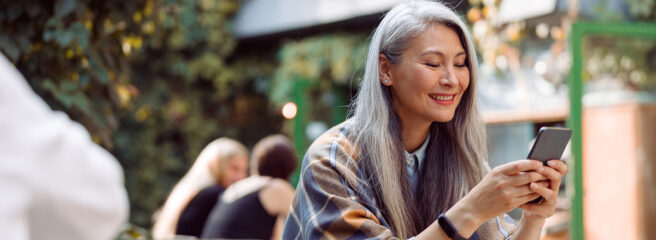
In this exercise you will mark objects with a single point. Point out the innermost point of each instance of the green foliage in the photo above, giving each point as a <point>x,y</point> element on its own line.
<point>132,232</point>
<point>316,73</point>
<point>627,61</point>
<point>149,79</point>
<point>323,60</point>
<point>642,9</point>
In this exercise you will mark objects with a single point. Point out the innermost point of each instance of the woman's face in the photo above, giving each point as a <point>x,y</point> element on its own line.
<point>234,170</point>
<point>430,78</point>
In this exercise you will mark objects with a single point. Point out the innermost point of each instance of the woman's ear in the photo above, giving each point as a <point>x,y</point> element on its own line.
<point>384,67</point>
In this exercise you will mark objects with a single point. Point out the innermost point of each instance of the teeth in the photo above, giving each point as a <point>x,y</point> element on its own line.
<point>441,98</point>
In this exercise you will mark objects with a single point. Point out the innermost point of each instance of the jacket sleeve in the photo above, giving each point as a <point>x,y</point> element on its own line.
<point>55,182</point>
<point>326,205</point>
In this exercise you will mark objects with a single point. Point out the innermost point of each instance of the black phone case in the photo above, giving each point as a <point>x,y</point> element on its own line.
<point>549,144</point>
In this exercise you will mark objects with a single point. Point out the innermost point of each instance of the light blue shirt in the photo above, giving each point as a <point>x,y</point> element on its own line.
<point>420,153</point>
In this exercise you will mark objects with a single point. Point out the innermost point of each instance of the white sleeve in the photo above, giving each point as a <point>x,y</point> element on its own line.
<point>55,182</point>
<point>14,202</point>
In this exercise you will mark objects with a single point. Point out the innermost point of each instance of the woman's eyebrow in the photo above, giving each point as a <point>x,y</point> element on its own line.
<point>435,52</point>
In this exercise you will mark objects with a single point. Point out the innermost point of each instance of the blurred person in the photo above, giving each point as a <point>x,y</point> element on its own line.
<point>256,207</point>
<point>221,163</point>
<point>56,183</point>
<point>411,160</point>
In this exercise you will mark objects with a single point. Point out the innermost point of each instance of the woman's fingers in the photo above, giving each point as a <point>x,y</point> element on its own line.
<point>523,190</point>
<point>523,200</point>
<point>526,192</point>
<point>544,209</point>
<point>549,173</point>
<point>546,193</point>
<point>520,191</point>
<point>516,167</point>
<point>560,166</point>
<point>543,183</point>
<point>524,178</point>
<point>554,175</point>
<point>531,207</point>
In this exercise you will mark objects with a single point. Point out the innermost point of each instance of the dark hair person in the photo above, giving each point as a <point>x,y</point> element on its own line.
<point>411,160</point>
<point>221,163</point>
<point>256,207</point>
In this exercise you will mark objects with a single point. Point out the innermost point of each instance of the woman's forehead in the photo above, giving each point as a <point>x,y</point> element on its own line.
<point>437,40</point>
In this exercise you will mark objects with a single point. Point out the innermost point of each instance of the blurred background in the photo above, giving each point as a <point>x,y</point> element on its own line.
<point>154,81</point>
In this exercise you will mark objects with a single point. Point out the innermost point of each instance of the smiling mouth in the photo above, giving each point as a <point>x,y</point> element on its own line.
<point>441,97</point>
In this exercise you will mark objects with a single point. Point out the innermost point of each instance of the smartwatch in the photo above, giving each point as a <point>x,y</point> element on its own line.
<point>448,228</point>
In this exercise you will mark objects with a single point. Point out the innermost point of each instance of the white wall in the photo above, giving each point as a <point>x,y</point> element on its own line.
<point>261,17</point>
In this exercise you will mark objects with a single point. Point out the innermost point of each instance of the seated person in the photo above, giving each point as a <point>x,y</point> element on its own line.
<point>221,163</point>
<point>256,207</point>
<point>55,182</point>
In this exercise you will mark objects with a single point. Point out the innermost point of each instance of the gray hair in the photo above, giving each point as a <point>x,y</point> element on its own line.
<point>460,142</point>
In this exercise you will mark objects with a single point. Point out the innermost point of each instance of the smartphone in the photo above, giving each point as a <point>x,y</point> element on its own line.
<point>549,144</point>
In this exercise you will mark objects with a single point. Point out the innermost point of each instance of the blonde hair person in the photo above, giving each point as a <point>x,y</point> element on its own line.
<point>414,150</point>
<point>256,207</point>
<point>224,161</point>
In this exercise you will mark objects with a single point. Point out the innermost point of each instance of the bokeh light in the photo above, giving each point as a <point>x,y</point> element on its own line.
<point>289,110</point>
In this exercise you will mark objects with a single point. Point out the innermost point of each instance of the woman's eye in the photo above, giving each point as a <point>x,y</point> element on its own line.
<point>461,65</point>
<point>433,65</point>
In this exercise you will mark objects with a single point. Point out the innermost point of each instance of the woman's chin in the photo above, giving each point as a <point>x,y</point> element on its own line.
<point>443,118</point>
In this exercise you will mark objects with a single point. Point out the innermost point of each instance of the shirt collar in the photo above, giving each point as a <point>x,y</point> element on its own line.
<point>420,152</point>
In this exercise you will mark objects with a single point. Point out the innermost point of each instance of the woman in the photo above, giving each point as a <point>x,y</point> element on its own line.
<point>221,163</point>
<point>411,162</point>
<point>256,207</point>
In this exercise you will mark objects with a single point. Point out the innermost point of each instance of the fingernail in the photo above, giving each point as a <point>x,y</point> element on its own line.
<point>552,163</point>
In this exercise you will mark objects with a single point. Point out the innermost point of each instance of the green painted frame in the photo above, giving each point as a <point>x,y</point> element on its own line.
<point>578,32</point>
<point>300,144</point>
<point>300,98</point>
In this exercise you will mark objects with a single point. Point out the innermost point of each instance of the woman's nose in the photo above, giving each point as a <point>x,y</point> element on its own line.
<point>448,79</point>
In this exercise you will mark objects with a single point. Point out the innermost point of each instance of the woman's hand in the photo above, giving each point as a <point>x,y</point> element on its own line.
<point>554,172</point>
<point>501,190</point>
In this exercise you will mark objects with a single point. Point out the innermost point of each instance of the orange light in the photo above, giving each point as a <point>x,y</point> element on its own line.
<point>289,110</point>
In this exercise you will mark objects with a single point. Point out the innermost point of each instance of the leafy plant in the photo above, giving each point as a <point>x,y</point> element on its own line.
<point>324,61</point>
<point>150,80</point>
<point>642,9</point>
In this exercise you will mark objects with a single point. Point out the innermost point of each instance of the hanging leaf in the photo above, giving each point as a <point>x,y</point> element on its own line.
<point>23,42</point>
<point>63,37</point>
<point>81,35</point>
<point>64,7</point>
<point>67,86</point>
<point>64,99</point>
<point>49,86</point>
<point>9,47</point>
<point>84,80</point>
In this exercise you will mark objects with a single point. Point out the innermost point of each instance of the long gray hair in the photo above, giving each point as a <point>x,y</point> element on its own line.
<point>455,157</point>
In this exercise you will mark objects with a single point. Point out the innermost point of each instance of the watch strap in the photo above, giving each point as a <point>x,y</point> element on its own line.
<point>448,228</point>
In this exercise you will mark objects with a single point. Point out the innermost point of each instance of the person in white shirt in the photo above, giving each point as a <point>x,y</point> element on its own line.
<point>55,182</point>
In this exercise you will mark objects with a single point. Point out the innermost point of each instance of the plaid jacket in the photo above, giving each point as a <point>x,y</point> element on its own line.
<point>334,201</point>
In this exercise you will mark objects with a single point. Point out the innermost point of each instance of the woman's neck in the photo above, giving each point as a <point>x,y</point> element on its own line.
<point>414,133</point>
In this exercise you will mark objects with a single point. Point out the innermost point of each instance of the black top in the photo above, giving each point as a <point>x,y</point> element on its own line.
<point>193,217</point>
<point>244,218</point>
